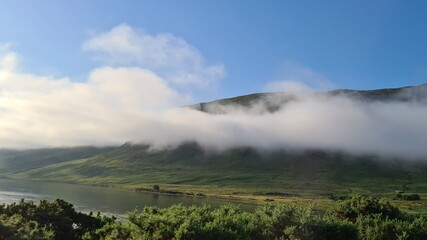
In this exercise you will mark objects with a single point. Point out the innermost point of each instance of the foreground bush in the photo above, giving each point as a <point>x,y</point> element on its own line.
<point>355,218</point>
<point>228,222</point>
<point>56,220</point>
<point>17,227</point>
<point>378,219</point>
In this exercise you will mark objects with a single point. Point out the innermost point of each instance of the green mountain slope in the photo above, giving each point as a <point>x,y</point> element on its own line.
<point>242,171</point>
<point>12,161</point>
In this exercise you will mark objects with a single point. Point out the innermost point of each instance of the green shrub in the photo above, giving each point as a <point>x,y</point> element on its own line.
<point>326,230</point>
<point>19,228</point>
<point>156,188</point>
<point>408,197</point>
<point>351,208</point>
<point>355,218</point>
<point>378,219</point>
<point>57,216</point>
<point>411,197</point>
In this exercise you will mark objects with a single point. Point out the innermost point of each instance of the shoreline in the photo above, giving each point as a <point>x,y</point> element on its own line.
<point>251,199</point>
<point>320,202</point>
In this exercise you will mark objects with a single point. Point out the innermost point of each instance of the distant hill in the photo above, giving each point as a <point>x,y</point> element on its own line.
<point>414,93</point>
<point>190,168</point>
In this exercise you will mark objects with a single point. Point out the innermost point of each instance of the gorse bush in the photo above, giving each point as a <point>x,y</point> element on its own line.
<point>180,222</point>
<point>378,219</point>
<point>290,221</point>
<point>355,218</point>
<point>375,227</point>
<point>17,227</point>
<point>228,222</point>
<point>408,197</point>
<point>357,206</point>
<point>58,219</point>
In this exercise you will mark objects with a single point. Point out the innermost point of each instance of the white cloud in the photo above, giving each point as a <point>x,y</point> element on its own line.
<point>8,59</point>
<point>338,123</point>
<point>169,56</point>
<point>44,111</point>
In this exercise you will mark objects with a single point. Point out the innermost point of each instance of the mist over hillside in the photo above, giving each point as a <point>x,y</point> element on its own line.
<point>357,122</point>
<point>385,122</point>
<point>327,143</point>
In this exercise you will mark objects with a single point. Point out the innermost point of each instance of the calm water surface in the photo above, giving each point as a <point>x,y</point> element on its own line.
<point>90,198</point>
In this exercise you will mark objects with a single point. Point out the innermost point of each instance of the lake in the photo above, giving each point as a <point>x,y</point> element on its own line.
<point>91,198</point>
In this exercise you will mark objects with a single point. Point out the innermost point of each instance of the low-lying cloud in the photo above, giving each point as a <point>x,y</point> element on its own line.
<point>314,121</point>
<point>117,104</point>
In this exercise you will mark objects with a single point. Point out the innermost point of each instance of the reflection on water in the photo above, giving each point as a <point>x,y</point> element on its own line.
<point>90,198</point>
<point>10,197</point>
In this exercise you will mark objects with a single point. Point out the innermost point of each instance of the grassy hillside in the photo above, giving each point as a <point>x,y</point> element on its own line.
<point>240,171</point>
<point>12,161</point>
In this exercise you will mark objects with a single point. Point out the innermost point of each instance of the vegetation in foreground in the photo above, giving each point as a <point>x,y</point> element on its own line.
<point>355,218</point>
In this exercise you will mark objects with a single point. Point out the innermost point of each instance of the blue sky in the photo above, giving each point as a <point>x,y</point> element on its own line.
<point>348,44</point>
